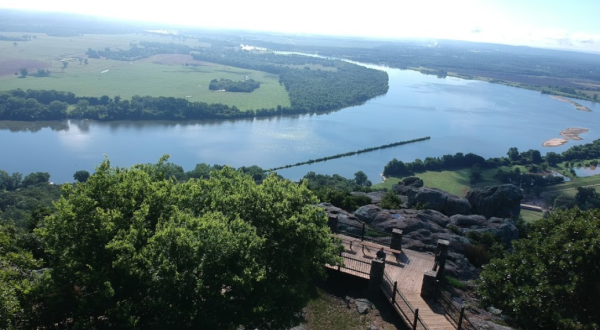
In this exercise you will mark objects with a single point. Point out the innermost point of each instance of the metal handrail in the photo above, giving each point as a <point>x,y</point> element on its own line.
<point>365,233</point>
<point>460,322</point>
<point>411,314</point>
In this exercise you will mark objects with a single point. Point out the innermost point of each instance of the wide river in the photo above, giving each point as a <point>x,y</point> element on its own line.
<point>459,115</point>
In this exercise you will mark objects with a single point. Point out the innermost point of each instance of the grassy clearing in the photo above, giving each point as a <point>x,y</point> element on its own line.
<point>530,216</point>
<point>126,79</point>
<point>455,182</point>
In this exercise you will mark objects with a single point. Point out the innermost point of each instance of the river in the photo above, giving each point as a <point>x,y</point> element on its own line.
<point>459,115</point>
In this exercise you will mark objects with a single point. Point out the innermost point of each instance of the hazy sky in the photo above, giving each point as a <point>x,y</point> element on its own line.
<point>571,24</point>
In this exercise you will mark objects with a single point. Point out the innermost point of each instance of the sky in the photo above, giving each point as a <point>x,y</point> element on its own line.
<point>565,24</point>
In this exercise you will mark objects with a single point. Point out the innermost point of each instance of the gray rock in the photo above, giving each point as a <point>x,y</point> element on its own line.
<point>494,310</point>
<point>407,184</point>
<point>363,305</point>
<point>502,201</point>
<point>367,213</point>
<point>438,200</point>
<point>460,220</point>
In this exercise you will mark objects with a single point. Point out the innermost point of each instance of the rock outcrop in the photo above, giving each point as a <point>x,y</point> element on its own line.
<point>502,201</point>
<point>430,198</point>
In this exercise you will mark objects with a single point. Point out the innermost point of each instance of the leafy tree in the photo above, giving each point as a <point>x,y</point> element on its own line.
<point>133,249</point>
<point>551,279</point>
<point>361,179</point>
<point>23,72</point>
<point>553,158</point>
<point>81,176</point>
<point>513,154</point>
<point>16,278</point>
<point>475,174</point>
<point>35,178</point>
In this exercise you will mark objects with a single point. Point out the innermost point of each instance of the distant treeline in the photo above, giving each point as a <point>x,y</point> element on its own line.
<point>244,86</point>
<point>459,56</point>
<point>21,38</point>
<point>531,158</point>
<point>137,52</point>
<point>351,153</point>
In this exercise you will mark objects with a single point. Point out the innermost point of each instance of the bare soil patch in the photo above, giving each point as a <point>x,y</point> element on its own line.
<point>176,59</point>
<point>10,66</point>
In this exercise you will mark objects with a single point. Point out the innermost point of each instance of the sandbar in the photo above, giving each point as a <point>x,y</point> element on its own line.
<point>575,104</point>
<point>572,133</point>
<point>554,142</point>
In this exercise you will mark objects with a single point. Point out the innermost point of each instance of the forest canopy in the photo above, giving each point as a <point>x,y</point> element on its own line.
<point>131,249</point>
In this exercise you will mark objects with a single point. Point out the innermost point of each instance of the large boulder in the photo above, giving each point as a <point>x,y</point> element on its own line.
<point>367,213</point>
<point>407,184</point>
<point>503,201</point>
<point>438,200</point>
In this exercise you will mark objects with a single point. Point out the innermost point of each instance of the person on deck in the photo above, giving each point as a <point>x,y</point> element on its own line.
<point>381,254</point>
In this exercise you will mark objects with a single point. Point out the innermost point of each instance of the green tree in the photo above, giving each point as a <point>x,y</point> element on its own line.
<point>475,175</point>
<point>361,179</point>
<point>23,72</point>
<point>35,178</point>
<point>551,279</point>
<point>131,248</point>
<point>81,176</point>
<point>552,158</point>
<point>16,278</point>
<point>513,154</point>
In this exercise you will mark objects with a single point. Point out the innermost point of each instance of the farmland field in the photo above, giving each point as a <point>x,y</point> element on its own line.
<point>161,75</point>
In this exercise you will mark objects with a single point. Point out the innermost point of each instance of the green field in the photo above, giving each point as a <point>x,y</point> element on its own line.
<point>455,182</point>
<point>530,216</point>
<point>160,75</point>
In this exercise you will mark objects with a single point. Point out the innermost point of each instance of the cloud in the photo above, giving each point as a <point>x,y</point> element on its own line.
<point>476,30</point>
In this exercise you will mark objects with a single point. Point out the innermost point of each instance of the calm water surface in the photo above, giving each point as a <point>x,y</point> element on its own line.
<point>459,115</point>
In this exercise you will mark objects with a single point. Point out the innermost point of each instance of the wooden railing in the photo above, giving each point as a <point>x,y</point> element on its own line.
<point>410,315</point>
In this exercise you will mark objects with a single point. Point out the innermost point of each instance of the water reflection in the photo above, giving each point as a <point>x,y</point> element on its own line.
<point>33,126</point>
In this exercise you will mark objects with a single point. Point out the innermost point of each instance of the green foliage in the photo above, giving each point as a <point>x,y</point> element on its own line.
<point>390,201</point>
<point>16,205</point>
<point>16,279</point>
<point>551,279</point>
<point>245,86</point>
<point>455,283</point>
<point>81,176</point>
<point>131,249</point>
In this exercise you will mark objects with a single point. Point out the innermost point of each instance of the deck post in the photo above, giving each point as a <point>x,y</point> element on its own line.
<point>460,318</point>
<point>429,284</point>
<point>376,276</point>
<point>394,292</point>
<point>416,319</point>
<point>396,243</point>
<point>441,256</point>
<point>362,235</point>
<point>332,222</point>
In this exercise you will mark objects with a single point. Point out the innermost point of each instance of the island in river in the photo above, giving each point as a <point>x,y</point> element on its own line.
<point>571,133</point>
